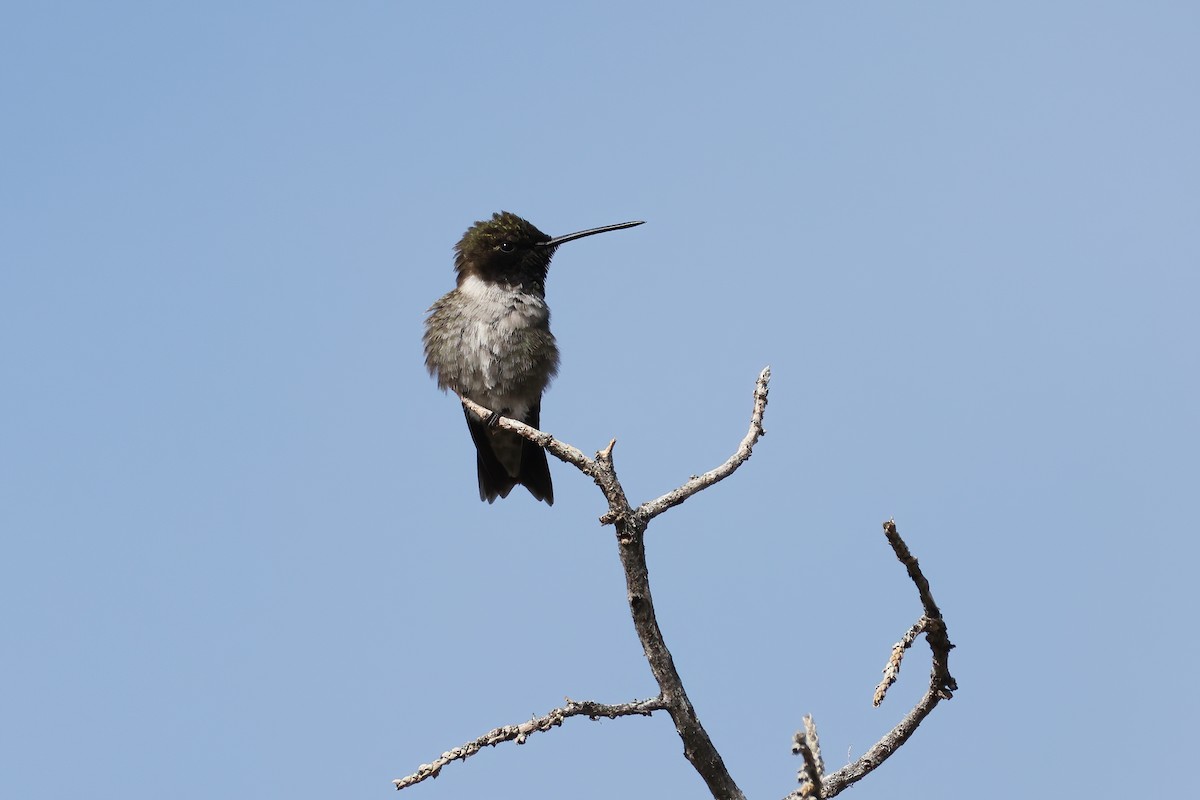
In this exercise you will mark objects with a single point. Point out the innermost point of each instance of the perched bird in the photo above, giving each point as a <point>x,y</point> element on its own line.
<point>489,340</point>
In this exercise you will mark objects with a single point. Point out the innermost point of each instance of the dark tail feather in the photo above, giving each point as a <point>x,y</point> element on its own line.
<point>494,479</point>
<point>535,473</point>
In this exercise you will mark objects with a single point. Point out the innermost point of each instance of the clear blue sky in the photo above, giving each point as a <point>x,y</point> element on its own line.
<point>242,550</point>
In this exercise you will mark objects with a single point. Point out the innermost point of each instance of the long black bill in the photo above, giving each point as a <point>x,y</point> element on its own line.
<point>557,240</point>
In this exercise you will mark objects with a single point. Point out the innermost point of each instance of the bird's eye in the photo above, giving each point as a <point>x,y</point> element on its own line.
<point>507,247</point>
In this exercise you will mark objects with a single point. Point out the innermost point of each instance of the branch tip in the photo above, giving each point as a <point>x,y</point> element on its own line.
<point>812,774</point>
<point>698,483</point>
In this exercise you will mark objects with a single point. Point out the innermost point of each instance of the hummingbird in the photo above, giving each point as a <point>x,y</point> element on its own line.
<point>489,340</point>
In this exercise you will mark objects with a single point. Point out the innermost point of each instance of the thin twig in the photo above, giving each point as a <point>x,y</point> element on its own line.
<point>808,746</point>
<point>519,733</point>
<point>914,569</point>
<point>653,508</point>
<point>891,670</point>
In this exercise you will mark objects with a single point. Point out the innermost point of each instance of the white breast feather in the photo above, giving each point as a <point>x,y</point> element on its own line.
<point>505,310</point>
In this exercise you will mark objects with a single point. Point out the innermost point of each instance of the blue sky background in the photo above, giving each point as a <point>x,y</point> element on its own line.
<point>243,554</point>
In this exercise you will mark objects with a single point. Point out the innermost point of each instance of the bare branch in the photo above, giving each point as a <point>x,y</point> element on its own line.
<point>601,469</point>
<point>882,750</point>
<point>941,683</point>
<point>519,733</point>
<point>560,450</point>
<point>653,508</point>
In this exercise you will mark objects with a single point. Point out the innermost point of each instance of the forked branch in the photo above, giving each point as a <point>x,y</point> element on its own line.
<point>941,685</point>
<point>630,525</point>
